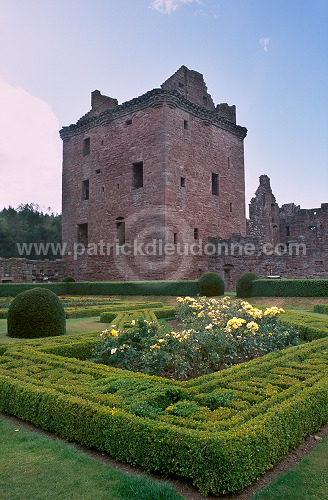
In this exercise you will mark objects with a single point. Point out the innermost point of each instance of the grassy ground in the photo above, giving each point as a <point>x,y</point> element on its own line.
<point>307,481</point>
<point>34,467</point>
<point>74,325</point>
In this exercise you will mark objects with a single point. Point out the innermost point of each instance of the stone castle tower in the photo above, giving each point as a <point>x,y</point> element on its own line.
<point>166,168</point>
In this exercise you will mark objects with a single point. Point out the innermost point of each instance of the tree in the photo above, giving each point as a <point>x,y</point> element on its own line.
<point>22,230</point>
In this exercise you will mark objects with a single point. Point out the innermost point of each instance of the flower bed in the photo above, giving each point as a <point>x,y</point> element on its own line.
<point>214,334</point>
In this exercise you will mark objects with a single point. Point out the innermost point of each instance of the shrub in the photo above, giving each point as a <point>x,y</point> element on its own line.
<point>290,288</point>
<point>36,313</point>
<point>211,284</point>
<point>244,285</point>
<point>321,308</point>
<point>68,279</point>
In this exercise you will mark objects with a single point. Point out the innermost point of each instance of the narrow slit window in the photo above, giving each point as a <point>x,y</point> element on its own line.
<point>98,171</point>
<point>175,238</point>
<point>230,207</point>
<point>182,182</point>
<point>185,124</point>
<point>120,230</point>
<point>82,234</point>
<point>196,234</point>
<point>138,175</point>
<point>85,189</point>
<point>215,184</point>
<point>86,146</point>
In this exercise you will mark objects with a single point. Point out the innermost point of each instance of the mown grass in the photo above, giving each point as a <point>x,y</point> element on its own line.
<point>74,325</point>
<point>307,481</point>
<point>35,467</point>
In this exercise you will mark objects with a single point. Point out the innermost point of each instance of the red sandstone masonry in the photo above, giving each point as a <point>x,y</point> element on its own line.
<point>181,143</point>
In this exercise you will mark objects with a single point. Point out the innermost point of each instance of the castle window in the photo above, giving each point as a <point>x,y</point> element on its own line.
<point>230,207</point>
<point>196,234</point>
<point>102,189</point>
<point>138,175</point>
<point>98,171</point>
<point>182,182</point>
<point>185,124</point>
<point>85,190</point>
<point>175,238</point>
<point>82,234</point>
<point>128,122</point>
<point>120,230</point>
<point>215,184</point>
<point>287,231</point>
<point>228,162</point>
<point>86,146</point>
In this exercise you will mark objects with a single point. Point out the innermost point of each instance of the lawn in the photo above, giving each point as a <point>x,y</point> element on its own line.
<point>307,481</point>
<point>35,467</point>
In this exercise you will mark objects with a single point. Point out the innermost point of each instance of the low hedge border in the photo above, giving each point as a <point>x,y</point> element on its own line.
<point>309,327</point>
<point>321,308</point>
<point>290,288</point>
<point>89,311</point>
<point>256,412</point>
<point>159,287</point>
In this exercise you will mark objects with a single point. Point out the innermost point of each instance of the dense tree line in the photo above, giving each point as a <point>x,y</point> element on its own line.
<point>29,232</point>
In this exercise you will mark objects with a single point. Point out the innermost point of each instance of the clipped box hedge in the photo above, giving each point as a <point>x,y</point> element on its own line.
<point>184,287</point>
<point>309,327</point>
<point>321,308</point>
<point>222,430</point>
<point>89,311</point>
<point>290,288</point>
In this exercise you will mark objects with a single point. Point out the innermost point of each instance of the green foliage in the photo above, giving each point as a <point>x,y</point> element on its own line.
<point>215,334</point>
<point>210,284</point>
<point>244,285</point>
<point>321,308</point>
<point>13,289</point>
<point>36,313</point>
<point>108,288</point>
<point>133,288</point>
<point>68,279</point>
<point>309,327</point>
<point>291,288</point>
<point>258,412</point>
<point>28,224</point>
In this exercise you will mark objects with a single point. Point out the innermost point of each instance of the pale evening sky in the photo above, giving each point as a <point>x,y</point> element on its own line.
<point>268,57</point>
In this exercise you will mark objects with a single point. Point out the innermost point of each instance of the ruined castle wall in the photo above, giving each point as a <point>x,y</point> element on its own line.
<point>20,270</point>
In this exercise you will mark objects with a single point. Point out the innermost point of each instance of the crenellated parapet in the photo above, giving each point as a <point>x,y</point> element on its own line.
<point>223,116</point>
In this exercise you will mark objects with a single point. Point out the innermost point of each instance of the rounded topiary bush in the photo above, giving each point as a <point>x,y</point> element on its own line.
<point>68,279</point>
<point>244,285</point>
<point>211,284</point>
<point>35,313</point>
